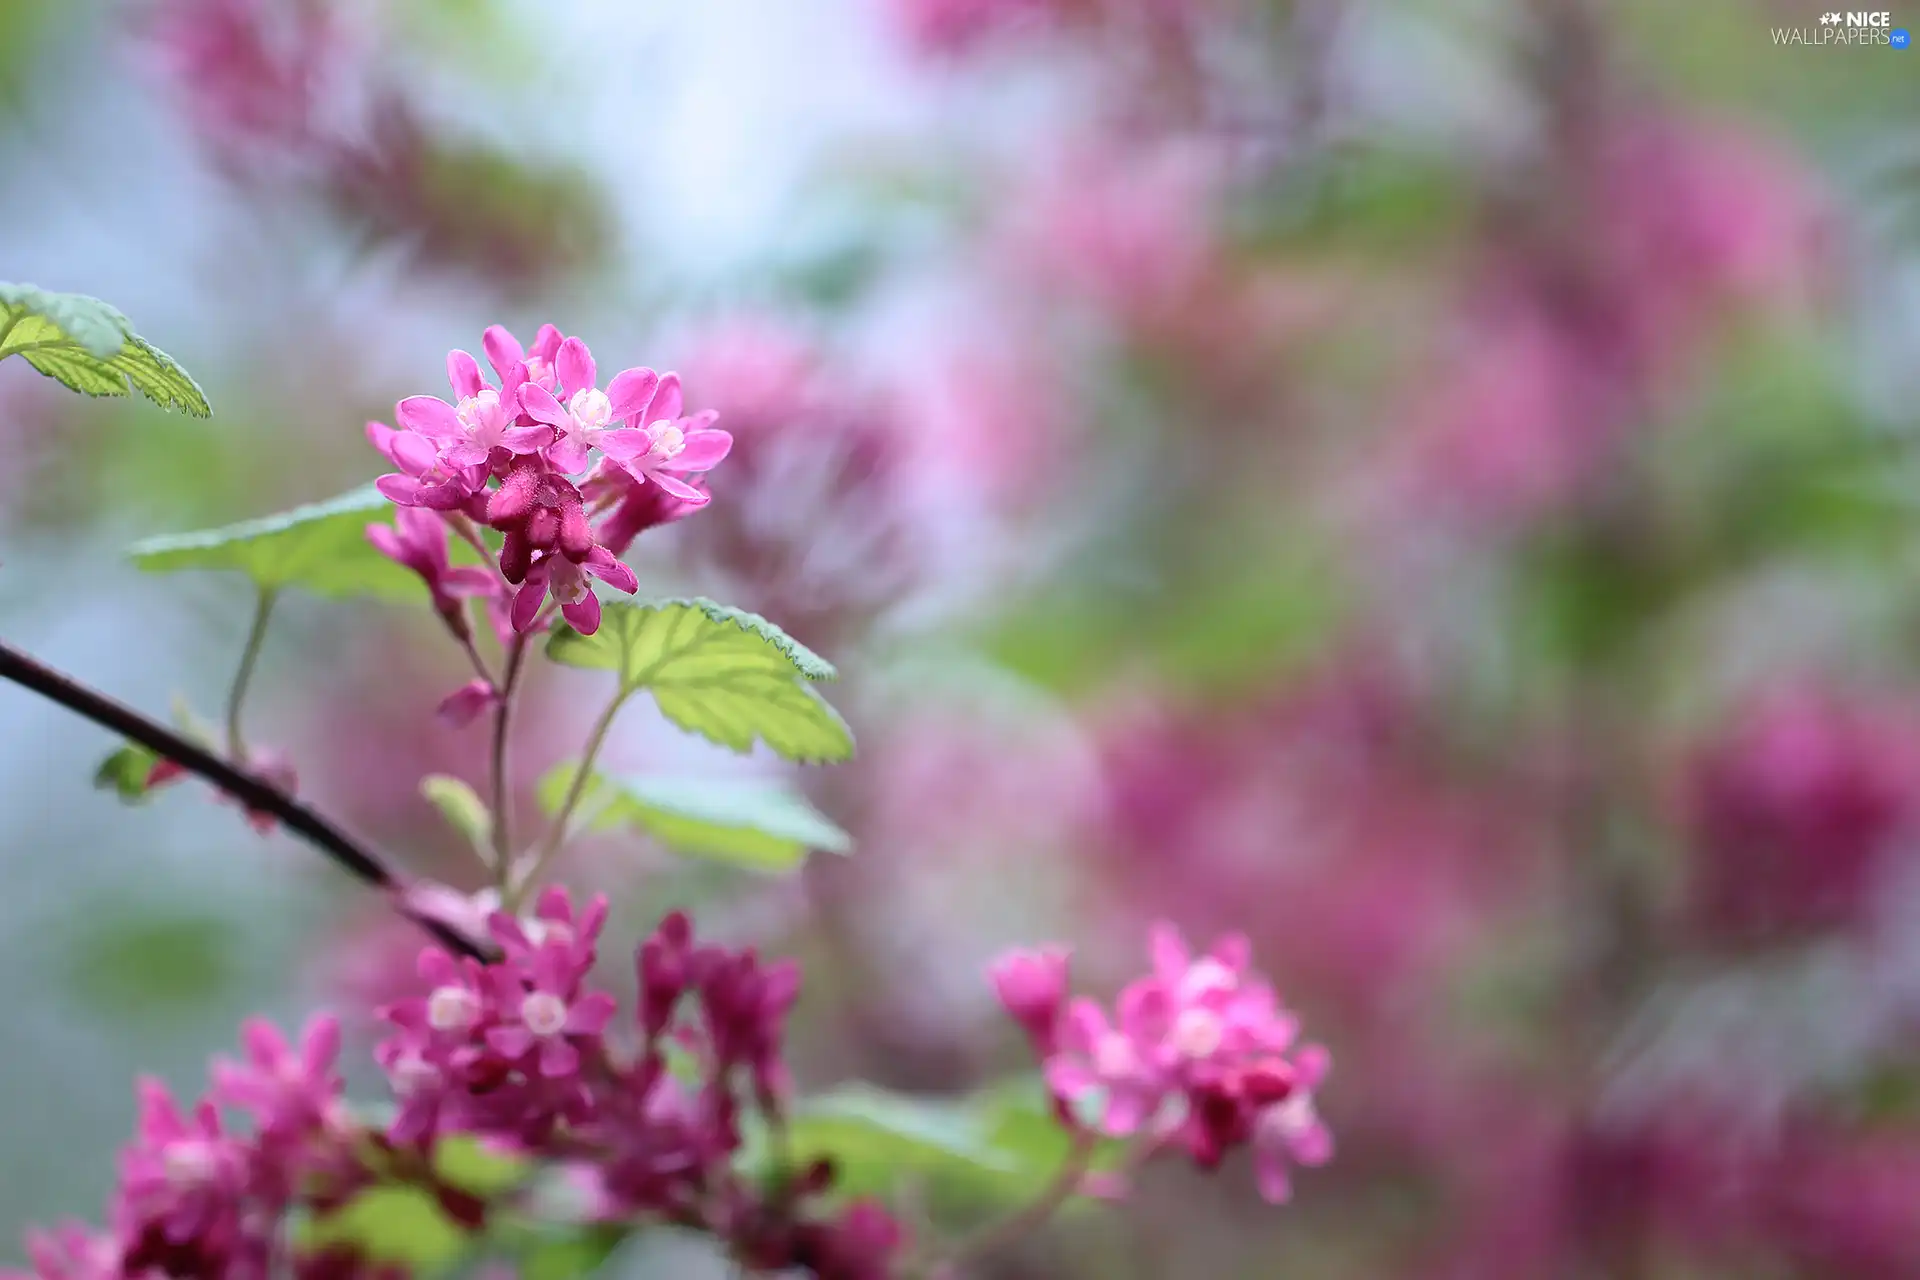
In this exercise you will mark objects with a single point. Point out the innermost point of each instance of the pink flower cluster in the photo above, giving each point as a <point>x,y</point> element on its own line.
<point>522,1055</point>
<point>535,457</point>
<point>1198,1055</point>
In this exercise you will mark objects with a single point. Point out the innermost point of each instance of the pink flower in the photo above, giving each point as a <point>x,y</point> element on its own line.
<point>1032,986</point>
<point>73,1251</point>
<point>417,540</point>
<point>670,443</point>
<point>632,506</point>
<point>291,1093</point>
<point>585,421</point>
<point>423,479</point>
<point>567,583</point>
<point>550,548</point>
<point>1290,1132</point>
<point>182,1181</point>
<point>467,703</point>
<point>1103,1071</point>
<point>516,365</point>
<point>543,1017</point>
<point>480,426</point>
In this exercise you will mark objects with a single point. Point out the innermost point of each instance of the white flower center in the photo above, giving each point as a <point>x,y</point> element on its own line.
<point>1197,1034</point>
<point>591,408</point>
<point>477,413</point>
<point>544,1013</point>
<point>568,585</point>
<point>1114,1055</point>
<point>452,1009</point>
<point>668,440</point>
<point>188,1164</point>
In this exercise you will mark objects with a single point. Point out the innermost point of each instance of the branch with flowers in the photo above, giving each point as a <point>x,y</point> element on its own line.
<point>532,1120</point>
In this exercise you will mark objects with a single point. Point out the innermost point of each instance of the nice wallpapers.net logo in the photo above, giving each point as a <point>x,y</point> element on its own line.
<point>1846,30</point>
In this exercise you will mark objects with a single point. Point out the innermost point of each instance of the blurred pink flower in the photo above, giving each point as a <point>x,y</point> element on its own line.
<point>1792,809</point>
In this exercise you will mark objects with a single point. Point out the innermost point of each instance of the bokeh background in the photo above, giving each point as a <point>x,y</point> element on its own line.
<point>1432,485</point>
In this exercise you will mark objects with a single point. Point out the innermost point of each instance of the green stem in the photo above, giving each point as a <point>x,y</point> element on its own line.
<point>556,836</point>
<point>502,797</point>
<point>243,675</point>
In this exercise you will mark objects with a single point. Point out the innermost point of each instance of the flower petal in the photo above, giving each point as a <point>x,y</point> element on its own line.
<point>463,374</point>
<point>526,605</point>
<point>503,351</point>
<point>567,456</point>
<point>631,390</point>
<point>681,489</point>
<point>583,615</point>
<point>413,453</point>
<point>666,400</point>
<point>601,564</point>
<point>577,370</point>
<point>430,416</point>
<point>538,403</point>
<point>704,450</point>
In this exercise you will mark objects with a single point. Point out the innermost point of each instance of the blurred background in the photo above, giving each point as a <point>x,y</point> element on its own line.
<point>1432,485</point>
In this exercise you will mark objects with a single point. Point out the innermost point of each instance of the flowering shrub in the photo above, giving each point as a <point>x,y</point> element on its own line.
<point>533,1118</point>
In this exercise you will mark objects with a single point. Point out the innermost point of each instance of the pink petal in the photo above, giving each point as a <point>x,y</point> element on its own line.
<point>590,1014</point>
<point>526,439</point>
<point>577,369</point>
<point>503,351</point>
<point>465,453</point>
<point>547,341</point>
<point>558,1059</point>
<point>404,490</point>
<point>466,704</point>
<point>680,489</point>
<point>601,564</point>
<point>430,416</point>
<point>584,614</point>
<point>538,402</point>
<point>1311,1065</point>
<point>386,539</point>
<point>623,444</point>
<point>380,436</point>
<point>567,456</point>
<point>413,453</point>
<point>526,605</point>
<point>705,449</point>
<point>630,391</point>
<point>463,374</point>
<point>449,495</point>
<point>1313,1146</point>
<point>1270,1172</point>
<point>666,400</point>
<point>467,580</point>
<point>510,1041</point>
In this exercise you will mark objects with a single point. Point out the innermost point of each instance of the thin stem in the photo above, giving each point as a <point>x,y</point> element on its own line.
<point>243,676</point>
<point>502,798</point>
<point>352,857</point>
<point>557,832</point>
<point>1023,1222</point>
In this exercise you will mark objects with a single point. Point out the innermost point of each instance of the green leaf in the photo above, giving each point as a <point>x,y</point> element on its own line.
<point>125,772</point>
<point>758,826</point>
<point>321,548</point>
<point>463,809</point>
<point>570,1256</point>
<point>462,1161</point>
<point>90,347</point>
<point>396,1224</point>
<point>727,675</point>
<point>149,960</point>
<point>874,1137</point>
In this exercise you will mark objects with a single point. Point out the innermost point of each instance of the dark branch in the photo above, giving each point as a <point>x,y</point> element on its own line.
<point>256,795</point>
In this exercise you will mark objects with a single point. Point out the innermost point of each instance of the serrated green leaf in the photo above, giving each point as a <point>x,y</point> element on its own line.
<point>403,1225</point>
<point>759,826</point>
<point>321,548</point>
<point>125,772</point>
<point>730,676</point>
<point>91,347</point>
<point>461,806</point>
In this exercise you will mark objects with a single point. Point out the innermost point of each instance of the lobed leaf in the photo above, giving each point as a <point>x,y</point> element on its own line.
<point>125,772</point>
<point>90,347</point>
<point>321,548</point>
<point>758,826</point>
<point>730,676</point>
<point>874,1137</point>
